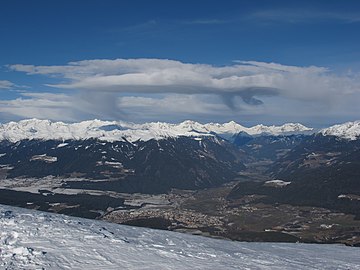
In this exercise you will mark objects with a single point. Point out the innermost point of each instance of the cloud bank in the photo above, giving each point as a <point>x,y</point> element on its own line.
<point>247,79</point>
<point>123,88</point>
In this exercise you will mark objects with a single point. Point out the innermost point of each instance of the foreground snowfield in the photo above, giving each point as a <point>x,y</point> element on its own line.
<point>38,240</point>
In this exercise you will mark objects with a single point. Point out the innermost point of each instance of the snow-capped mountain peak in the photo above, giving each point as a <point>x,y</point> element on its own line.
<point>348,130</point>
<point>277,130</point>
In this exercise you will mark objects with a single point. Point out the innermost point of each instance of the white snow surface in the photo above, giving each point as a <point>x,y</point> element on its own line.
<point>277,182</point>
<point>348,130</point>
<point>120,131</point>
<point>37,240</point>
<point>61,145</point>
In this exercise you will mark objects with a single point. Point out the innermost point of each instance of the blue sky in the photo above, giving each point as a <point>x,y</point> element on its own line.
<point>216,34</point>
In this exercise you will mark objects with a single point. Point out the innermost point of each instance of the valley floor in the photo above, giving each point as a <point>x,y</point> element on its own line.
<point>205,212</point>
<point>208,212</point>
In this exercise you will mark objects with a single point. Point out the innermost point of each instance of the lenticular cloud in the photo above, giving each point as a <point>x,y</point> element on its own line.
<point>246,79</point>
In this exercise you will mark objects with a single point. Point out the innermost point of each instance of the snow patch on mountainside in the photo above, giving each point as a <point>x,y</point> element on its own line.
<point>349,130</point>
<point>276,183</point>
<point>62,145</point>
<point>36,240</point>
<point>120,131</point>
<point>44,157</point>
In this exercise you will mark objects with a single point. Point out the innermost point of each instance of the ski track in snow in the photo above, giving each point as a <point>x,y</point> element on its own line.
<point>39,240</point>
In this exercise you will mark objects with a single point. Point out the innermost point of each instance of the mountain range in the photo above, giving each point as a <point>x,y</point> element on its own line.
<point>145,157</point>
<point>122,131</point>
<point>51,162</point>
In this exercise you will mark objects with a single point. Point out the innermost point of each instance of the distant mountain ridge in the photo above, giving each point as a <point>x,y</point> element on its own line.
<point>123,131</point>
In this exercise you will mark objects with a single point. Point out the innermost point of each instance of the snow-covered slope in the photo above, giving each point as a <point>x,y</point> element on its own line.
<point>119,131</point>
<point>38,240</point>
<point>349,130</point>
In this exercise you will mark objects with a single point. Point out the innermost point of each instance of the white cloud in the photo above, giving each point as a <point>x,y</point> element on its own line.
<point>304,16</point>
<point>154,89</point>
<point>39,105</point>
<point>247,79</point>
<point>6,85</point>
